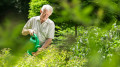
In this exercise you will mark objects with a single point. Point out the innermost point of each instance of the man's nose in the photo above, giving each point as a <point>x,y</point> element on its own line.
<point>46,17</point>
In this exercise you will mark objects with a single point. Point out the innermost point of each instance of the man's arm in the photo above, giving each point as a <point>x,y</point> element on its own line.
<point>27,29</point>
<point>47,43</point>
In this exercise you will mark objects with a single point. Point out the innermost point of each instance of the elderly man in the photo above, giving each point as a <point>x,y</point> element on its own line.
<point>42,26</point>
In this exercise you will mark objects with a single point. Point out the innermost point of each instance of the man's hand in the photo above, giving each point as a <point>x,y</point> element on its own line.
<point>27,31</point>
<point>31,32</point>
<point>34,53</point>
<point>37,52</point>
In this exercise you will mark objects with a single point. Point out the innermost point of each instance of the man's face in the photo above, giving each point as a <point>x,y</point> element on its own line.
<point>45,14</point>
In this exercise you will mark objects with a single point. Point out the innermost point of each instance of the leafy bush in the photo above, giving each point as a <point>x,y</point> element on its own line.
<point>95,44</point>
<point>35,6</point>
<point>93,47</point>
<point>48,57</point>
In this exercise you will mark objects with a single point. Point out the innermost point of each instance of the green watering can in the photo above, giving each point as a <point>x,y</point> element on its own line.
<point>35,40</point>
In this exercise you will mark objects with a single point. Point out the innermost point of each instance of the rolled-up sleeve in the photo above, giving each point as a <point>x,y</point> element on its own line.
<point>51,31</point>
<point>28,25</point>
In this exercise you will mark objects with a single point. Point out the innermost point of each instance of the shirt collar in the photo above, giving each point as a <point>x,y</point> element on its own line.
<point>38,18</point>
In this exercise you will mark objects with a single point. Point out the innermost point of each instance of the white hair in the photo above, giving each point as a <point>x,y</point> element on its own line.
<point>47,7</point>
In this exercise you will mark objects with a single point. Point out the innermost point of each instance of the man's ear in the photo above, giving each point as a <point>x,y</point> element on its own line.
<point>40,11</point>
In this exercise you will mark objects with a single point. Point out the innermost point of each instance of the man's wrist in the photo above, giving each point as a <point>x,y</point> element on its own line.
<point>39,49</point>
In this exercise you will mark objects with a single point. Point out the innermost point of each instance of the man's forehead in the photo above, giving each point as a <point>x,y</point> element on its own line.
<point>45,10</point>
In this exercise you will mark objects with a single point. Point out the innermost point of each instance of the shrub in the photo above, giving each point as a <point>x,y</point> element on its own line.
<point>35,6</point>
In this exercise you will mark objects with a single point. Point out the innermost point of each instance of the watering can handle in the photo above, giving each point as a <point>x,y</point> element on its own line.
<point>32,38</point>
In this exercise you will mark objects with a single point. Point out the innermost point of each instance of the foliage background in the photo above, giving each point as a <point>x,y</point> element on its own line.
<point>87,33</point>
